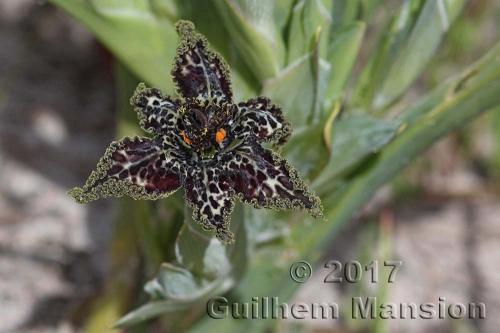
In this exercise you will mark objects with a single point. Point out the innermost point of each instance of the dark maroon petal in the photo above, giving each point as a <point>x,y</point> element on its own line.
<point>259,118</point>
<point>212,201</point>
<point>157,113</point>
<point>199,72</point>
<point>141,168</point>
<point>262,178</point>
<point>165,183</point>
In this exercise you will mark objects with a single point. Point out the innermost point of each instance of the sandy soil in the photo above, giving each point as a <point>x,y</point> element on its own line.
<point>56,118</point>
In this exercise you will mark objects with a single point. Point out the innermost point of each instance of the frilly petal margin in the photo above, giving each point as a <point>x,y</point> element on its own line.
<point>199,72</point>
<point>263,179</point>
<point>260,118</point>
<point>137,167</point>
<point>157,113</point>
<point>205,143</point>
<point>210,196</point>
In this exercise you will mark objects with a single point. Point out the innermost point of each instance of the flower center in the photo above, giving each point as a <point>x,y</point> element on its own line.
<point>204,129</point>
<point>196,119</point>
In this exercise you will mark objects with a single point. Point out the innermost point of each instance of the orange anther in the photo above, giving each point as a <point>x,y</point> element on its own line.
<point>185,138</point>
<point>220,135</point>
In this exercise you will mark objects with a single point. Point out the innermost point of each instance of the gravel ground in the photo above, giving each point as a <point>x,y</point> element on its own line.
<point>56,118</point>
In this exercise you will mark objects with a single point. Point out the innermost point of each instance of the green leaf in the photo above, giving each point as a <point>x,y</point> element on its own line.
<point>433,22</point>
<point>298,90</point>
<point>174,289</point>
<point>250,24</point>
<point>307,240</point>
<point>167,9</point>
<point>238,252</point>
<point>173,282</point>
<point>213,269</point>
<point>483,69</point>
<point>354,138</point>
<point>200,252</point>
<point>267,267</point>
<point>265,225</point>
<point>150,310</point>
<point>144,42</point>
<point>345,12</point>
<point>405,49</point>
<point>308,17</point>
<point>282,12</point>
<point>342,55</point>
<point>393,36</point>
<point>368,8</point>
<point>206,271</point>
<point>309,162</point>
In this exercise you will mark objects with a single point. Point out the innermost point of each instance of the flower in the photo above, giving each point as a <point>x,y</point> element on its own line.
<point>204,143</point>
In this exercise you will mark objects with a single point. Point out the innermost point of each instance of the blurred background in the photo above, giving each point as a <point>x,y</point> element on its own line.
<point>59,105</point>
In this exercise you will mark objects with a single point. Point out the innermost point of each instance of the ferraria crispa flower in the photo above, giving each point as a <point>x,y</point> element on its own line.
<point>203,142</point>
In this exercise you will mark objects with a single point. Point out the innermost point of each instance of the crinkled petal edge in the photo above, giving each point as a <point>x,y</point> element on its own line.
<point>93,190</point>
<point>315,211</point>
<point>139,92</point>
<point>188,39</point>
<point>222,233</point>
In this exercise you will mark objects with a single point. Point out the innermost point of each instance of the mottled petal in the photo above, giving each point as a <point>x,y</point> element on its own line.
<point>208,193</point>
<point>157,113</point>
<point>260,118</point>
<point>199,72</point>
<point>139,167</point>
<point>263,179</point>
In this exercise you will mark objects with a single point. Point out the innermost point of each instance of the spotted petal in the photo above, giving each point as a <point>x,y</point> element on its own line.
<point>258,117</point>
<point>141,168</point>
<point>199,72</point>
<point>157,113</point>
<point>263,179</point>
<point>212,200</point>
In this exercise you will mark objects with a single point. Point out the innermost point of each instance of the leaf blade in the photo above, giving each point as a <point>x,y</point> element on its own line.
<point>132,32</point>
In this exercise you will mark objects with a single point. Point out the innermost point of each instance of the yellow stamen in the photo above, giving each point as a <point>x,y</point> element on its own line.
<point>185,138</point>
<point>220,135</point>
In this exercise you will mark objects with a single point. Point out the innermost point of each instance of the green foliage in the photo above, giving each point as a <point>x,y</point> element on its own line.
<point>354,138</point>
<point>306,81</point>
<point>342,52</point>
<point>309,18</point>
<point>404,50</point>
<point>121,23</point>
<point>251,27</point>
<point>349,139</point>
